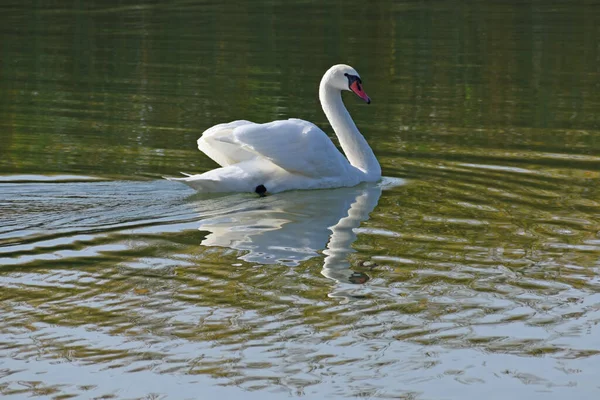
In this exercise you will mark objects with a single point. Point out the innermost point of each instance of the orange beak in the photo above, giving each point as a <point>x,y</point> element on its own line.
<point>357,88</point>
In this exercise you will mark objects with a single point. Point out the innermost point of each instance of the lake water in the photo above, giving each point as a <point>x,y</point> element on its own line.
<point>472,270</point>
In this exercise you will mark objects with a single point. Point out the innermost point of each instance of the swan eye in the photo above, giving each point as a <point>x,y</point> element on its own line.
<point>352,79</point>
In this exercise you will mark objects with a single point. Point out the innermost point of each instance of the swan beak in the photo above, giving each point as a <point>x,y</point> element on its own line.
<point>357,88</point>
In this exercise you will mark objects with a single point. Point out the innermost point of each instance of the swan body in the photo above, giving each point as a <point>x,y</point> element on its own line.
<point>290,154</point>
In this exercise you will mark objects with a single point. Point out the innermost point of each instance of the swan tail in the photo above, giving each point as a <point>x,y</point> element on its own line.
<point>200,184</point>
<point>172,178</point>
<point>243,177</point>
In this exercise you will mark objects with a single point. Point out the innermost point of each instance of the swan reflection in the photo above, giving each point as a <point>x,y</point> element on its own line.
<point>291,227</point>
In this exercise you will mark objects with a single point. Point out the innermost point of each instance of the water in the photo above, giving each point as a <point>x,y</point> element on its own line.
<point>472,270</point>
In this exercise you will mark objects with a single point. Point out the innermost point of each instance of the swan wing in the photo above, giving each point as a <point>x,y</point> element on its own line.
<point>216,142</point>
<point>295,145</point>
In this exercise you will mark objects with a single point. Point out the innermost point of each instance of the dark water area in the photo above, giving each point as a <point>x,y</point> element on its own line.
<point>471,270</point>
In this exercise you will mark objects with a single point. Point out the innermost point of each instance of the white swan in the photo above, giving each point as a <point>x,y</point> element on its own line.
<point>290,154</point>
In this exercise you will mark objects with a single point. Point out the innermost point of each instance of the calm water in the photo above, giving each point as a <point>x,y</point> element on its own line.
<point>471,270</point>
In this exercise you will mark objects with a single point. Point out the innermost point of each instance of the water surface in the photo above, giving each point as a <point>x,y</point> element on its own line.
<point>471,270</point>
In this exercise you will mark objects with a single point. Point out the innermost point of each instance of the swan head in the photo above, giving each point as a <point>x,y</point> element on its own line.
<point>344,77</point>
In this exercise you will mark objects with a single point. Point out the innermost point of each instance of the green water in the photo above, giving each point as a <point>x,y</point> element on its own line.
<point>471,271</point>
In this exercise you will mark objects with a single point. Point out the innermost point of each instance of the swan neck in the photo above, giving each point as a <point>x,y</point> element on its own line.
<point>353,143</point>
